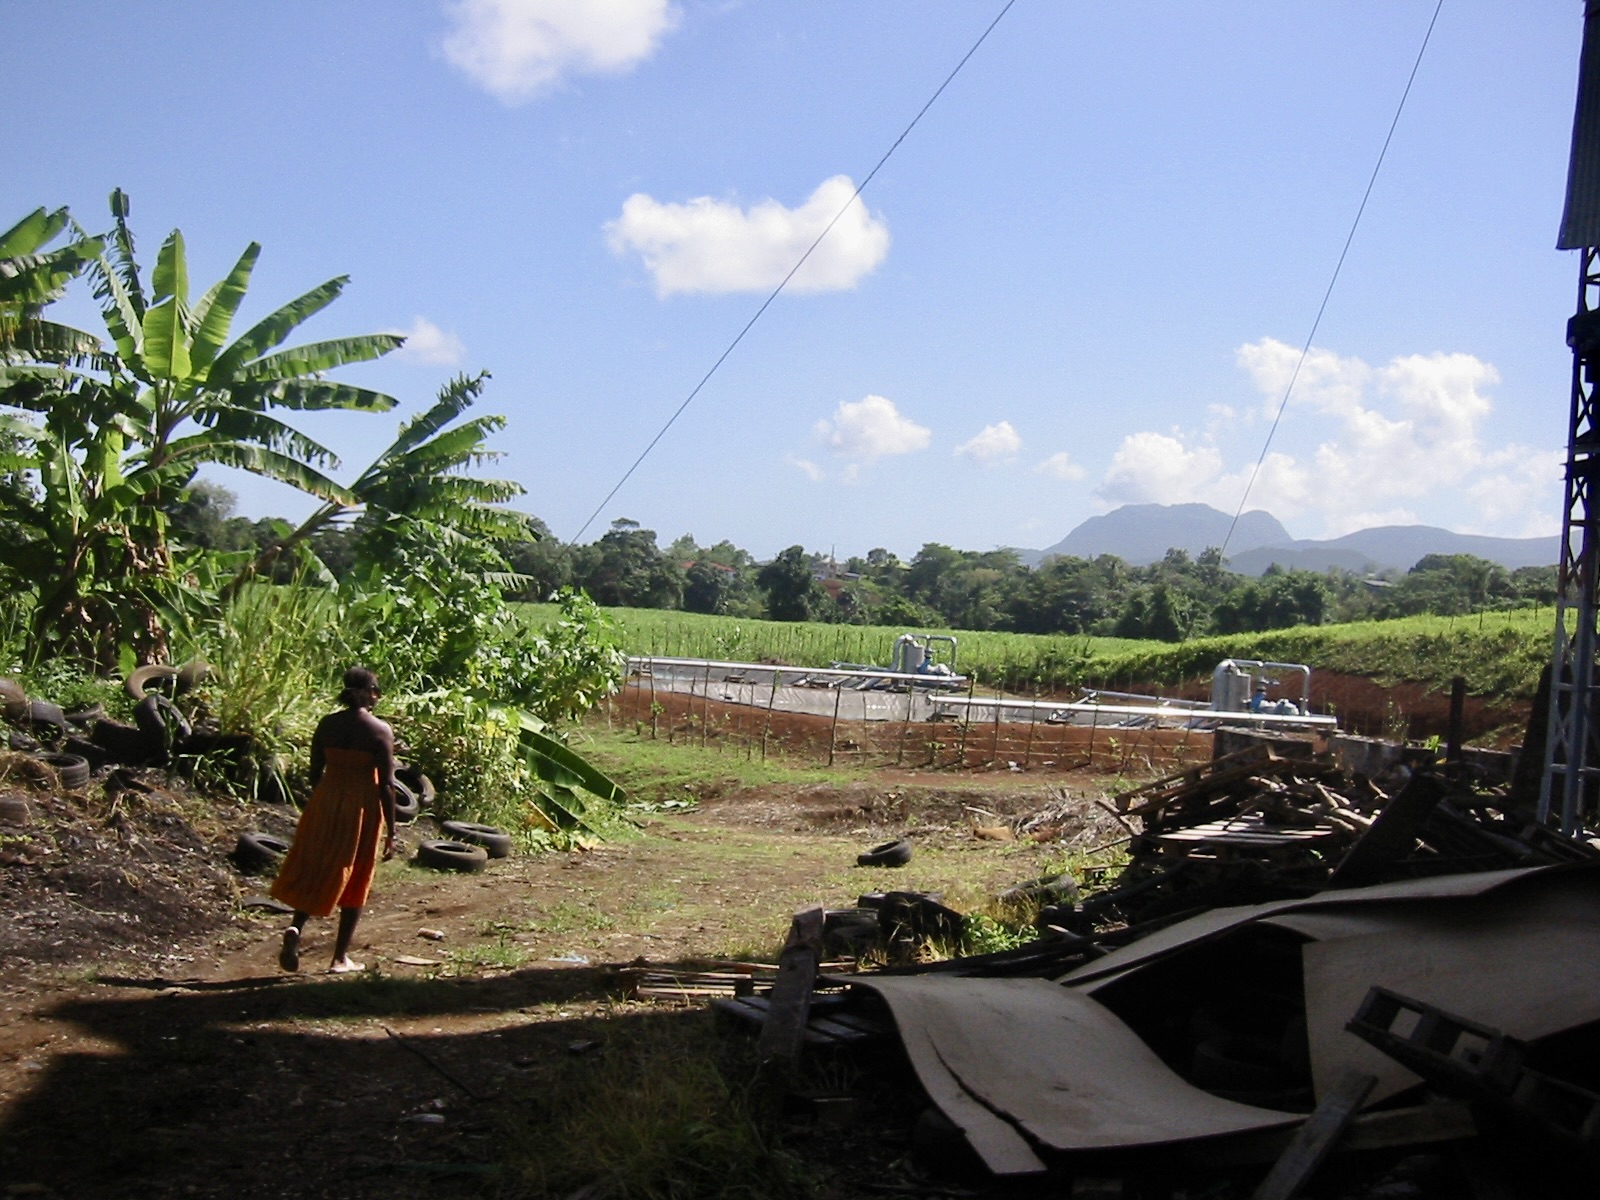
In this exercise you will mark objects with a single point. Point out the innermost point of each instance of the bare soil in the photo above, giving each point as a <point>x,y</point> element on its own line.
<point>150,1047</point>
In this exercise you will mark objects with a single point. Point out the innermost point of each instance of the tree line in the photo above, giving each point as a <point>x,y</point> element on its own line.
<point>1177,598</point>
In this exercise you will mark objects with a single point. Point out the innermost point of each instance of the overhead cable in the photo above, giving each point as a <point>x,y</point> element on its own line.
<point>861,187</point>
<point>1321,308</point>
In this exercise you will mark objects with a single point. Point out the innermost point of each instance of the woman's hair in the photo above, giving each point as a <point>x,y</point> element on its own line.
<point>356,681</point>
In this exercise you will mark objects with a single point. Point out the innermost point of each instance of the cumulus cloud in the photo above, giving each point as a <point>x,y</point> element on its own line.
<point>1060,466</point>
<point>516,49</point>
<point>428,345</point>
<point>1403,436</point>
<point>992,445</point>
<point>709,245</point>
<point>871,428</point>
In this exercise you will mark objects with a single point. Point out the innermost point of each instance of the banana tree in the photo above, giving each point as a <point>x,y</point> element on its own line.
<point>110,436</point>
<point>418,490</point>
<point>31,277</point>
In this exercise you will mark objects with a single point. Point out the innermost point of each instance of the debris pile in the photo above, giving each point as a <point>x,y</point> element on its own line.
<point>1301,982</point>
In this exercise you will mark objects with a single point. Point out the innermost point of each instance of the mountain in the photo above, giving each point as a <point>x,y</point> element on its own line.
<point>1397,546</point>
<point>1142,533</point>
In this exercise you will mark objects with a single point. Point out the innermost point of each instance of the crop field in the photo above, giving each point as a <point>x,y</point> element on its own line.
<point>1499,654</point>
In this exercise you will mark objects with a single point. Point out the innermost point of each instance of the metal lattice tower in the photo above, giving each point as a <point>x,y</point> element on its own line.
<point>1572,753</point>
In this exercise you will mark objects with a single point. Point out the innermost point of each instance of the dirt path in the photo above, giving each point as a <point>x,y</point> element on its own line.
<point>198,1069</point>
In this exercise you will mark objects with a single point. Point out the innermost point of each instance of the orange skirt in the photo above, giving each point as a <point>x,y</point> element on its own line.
<point>335,849</point>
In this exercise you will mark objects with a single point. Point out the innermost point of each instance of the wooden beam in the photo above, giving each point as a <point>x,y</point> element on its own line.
<point>1316,1138</point>
<point>784,1032</point>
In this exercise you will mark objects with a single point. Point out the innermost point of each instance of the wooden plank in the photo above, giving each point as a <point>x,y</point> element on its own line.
<point>1315,1140</point>
<point>784,1031</point>
<point>1392,834</point>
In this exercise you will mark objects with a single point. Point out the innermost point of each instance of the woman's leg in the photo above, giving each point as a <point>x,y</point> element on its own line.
<point>289,953</point>
<point>341,946</point>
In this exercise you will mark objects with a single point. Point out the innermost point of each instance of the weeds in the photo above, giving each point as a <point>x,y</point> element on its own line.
<point>668,1109</point>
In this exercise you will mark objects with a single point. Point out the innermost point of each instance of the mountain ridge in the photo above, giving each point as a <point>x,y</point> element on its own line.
<point>1143,533</point>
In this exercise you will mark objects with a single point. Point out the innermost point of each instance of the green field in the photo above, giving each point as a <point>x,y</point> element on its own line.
<point>1499,654</point>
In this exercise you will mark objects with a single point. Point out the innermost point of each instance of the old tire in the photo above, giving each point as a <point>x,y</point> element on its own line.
<point>14,810</point>
<point>46,721</point>
<point>891,854</point>
<point>192,674</point>
<point>406,806</point>
<point>420,785</point>
<point>88,716</point>
<point>13,700</point>
<point>256,852</point>
<point>452,856</point>
<point>71,769</point>
<point>136,683</point>
<point>497,842</point>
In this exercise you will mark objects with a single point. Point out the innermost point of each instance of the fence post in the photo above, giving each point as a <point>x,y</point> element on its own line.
<point>767,727</point>
<point>705,706</point>
<point>966,724</point>
<point>905,726</point>
<point>833,730</point>
<point>1033,719</point>
<point>994,742</point>
<point>655,732</point>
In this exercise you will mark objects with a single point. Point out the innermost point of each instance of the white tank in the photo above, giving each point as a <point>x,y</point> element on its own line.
<point>909,654</point>
<point>1230,687</point>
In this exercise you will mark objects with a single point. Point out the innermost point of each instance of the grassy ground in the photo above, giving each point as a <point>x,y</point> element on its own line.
<point>1500,654</point>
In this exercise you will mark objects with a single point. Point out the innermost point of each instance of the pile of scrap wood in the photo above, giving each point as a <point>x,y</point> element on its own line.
<point>1252,827</point>
<point>1300,982</point>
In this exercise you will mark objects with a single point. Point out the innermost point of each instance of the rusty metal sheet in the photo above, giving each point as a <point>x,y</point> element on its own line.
<point>1219,921</point>
<point>1056,1063</point>
<point>1527,962</point>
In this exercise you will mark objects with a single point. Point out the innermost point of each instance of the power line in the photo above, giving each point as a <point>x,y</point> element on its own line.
<point>1321,308</point>
<point>861,187</point>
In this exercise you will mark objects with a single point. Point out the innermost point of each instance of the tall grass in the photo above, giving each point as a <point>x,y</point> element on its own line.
<point>1499,653</point>
<point>275,654</point>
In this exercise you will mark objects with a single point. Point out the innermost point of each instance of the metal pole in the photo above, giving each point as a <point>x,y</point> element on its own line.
<point>905,727</point>
<point>994,742</point>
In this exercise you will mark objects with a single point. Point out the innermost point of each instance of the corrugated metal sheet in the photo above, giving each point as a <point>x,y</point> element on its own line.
<point>1580,223</point>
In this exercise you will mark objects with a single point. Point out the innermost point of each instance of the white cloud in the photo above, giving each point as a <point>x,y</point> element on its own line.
<point>992,445</point>
<point>869,429</point>
<point>1158,468</point>
<point>1060,466</point>
<point>429,345</point>
<point>715,246</point>
<point>806,467</point>
<point>516,49</point>
<point>1402,439</point>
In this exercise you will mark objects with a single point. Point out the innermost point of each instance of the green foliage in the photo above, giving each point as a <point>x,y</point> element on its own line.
<point>275,653</point>
<point>570,665</point>
<point>792,594</point>
<point>113,435</point>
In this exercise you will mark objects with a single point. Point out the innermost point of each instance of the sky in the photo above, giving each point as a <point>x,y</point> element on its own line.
<point>1082,280</point>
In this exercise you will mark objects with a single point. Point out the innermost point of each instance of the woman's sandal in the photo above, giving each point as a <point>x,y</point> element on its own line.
<point>289,955</point>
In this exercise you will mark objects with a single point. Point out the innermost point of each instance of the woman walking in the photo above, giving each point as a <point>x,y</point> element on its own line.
<point>335,850</point>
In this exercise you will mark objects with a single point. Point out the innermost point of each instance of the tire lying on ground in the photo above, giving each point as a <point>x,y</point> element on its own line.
<point>452,856</point>
<point>891,854</point>
<point>88,716</point>
<point>406,806</point>
<point>419,783</point>
<point>497,842</point>
<point>71,769</point>
<point>258,852</point>
<point>14,810</point>
<point>136,683</point>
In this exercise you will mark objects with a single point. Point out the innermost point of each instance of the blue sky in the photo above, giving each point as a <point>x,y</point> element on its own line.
<point>1080,282</point>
